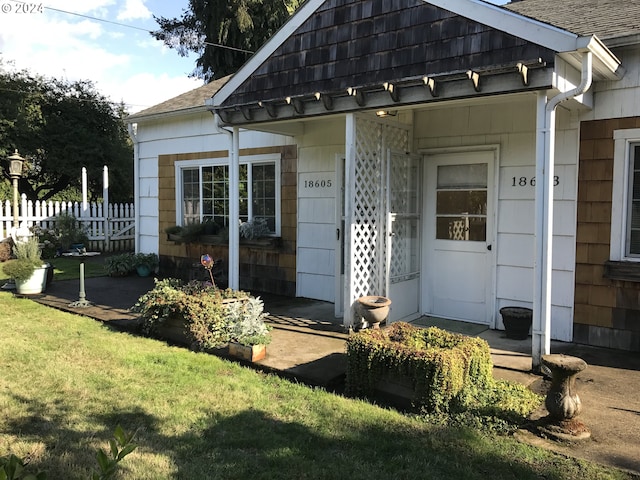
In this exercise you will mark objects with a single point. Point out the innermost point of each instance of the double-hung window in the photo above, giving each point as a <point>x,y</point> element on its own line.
<point>203,192</point>
<point>625,214</point>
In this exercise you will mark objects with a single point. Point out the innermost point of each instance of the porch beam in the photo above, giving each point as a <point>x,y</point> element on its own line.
<point>430,83</point>
<point>269,108</point>
<point>475,79</point>
<point>523,70</point>
<point>246,112</point>
<point>393,90</point>
<point>417,92</point>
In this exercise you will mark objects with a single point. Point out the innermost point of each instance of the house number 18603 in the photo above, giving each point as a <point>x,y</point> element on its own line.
<point>531,181</point>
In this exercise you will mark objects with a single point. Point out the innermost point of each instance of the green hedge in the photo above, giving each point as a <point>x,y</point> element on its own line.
<point>447,370</point>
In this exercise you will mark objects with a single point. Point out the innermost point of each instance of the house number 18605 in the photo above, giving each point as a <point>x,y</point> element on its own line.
<point>317,184</point>
<point>531,181</point>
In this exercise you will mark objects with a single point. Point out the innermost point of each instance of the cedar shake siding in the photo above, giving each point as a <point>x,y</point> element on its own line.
<point>355,43</point>
<point>263,268</point>
<point>607,308</point>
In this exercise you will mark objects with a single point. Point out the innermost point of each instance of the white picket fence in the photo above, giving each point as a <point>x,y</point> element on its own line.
<point>109,230</point>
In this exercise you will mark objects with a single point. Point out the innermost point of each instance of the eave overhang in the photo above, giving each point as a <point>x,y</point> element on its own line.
<point>137,118</point>
<point>497,80</point>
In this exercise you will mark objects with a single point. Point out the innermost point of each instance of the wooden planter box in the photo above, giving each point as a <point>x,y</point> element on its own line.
<point>172,330</point>
<point>251,353</point>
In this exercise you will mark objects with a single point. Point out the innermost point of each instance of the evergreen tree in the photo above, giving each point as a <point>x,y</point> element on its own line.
<point>223,32</point>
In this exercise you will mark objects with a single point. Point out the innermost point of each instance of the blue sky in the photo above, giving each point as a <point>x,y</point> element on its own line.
<point>126,64</point>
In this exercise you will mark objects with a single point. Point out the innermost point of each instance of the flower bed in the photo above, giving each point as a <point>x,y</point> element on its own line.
<point>201,316</point>
<point>443,370</point>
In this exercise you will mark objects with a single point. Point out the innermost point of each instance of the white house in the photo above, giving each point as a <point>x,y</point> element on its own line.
<point>416,149</point>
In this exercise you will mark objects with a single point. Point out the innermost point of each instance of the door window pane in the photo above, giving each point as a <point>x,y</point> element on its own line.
<point>263,193</point>
<point>461,202</point>
<point>463,176</point>
<point>191,195</point>
<point>633,235</point>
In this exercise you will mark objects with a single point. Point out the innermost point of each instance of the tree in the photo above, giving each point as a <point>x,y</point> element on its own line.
<point>60,126</point>
<point>223,32</point>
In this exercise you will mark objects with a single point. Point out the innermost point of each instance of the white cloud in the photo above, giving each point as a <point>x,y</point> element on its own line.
<point>124,64</point>
<point>134,10</point>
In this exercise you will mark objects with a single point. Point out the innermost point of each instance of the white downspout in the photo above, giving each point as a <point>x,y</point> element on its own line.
<point>136,187</point>
<point>234,201</point>
<point>545,161</point>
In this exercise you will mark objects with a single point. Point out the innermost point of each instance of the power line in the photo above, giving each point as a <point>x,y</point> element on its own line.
<point>218,45</point>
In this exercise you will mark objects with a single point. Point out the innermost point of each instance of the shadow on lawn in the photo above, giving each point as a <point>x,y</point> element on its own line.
<point>254,445</point>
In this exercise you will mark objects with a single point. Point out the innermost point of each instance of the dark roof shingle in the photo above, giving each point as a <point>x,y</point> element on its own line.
<point>607,19</point>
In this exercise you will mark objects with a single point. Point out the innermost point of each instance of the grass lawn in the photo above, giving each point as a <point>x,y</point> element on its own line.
<point>69,268</point>
<point>67,381</point>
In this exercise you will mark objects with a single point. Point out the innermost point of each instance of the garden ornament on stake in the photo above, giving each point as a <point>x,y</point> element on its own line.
<point>207,262</point>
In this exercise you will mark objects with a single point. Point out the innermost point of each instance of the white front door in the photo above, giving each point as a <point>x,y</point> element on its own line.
<point>403,229</point>
<point>458,232</point>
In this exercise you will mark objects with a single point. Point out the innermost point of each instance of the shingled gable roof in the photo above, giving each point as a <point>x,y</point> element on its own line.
<point>610,20</point>
<point>192,100</point>
<point>334,48</point>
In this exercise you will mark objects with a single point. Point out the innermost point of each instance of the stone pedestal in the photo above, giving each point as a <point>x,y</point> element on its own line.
<point>562,401</point>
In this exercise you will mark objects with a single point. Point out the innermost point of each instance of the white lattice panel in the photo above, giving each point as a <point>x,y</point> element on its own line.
<point>369,209</point>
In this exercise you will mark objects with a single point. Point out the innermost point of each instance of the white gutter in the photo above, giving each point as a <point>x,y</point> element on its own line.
<point>234,201</point>
<point>545,160</point>
<point>136,184</point>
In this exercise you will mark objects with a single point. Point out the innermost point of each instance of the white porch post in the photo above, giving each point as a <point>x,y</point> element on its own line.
<point>133,134</point>
<point>545,159</point>
<point>234,211</point>
<point>545,141</point>
<point>349,184</point>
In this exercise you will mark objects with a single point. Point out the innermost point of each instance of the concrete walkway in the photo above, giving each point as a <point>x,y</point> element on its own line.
<point>309,345</point>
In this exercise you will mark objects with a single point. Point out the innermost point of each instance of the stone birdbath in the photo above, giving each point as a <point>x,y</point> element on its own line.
<point>562,401</point>
<point>373,309</point>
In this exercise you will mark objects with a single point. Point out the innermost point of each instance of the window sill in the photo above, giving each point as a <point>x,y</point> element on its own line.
<point>265,242</point>
<point>619,270</point>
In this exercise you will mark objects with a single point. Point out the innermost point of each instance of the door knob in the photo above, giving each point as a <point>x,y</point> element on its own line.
<point>489,247</point>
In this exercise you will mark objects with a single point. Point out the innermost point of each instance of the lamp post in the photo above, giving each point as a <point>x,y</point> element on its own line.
<point>15,171</point>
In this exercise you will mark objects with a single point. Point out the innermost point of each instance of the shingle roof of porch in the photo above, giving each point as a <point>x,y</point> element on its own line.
<point>345,55</point>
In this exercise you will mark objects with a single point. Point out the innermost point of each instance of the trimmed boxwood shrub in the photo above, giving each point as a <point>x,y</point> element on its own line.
<point>447,370</point>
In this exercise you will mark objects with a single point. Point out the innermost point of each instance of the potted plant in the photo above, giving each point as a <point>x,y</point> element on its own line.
<point>517,322</point>
<point>254,229</point>
<point>145,263</point>
<point>174,233</point>
<point>27,269</point>
<point>248,332</point>
<point>120,265</point>
<point>187,233</point>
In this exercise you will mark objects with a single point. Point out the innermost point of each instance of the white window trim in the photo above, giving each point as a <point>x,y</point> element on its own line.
<point>620,197</point>
<point>244,159</point>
